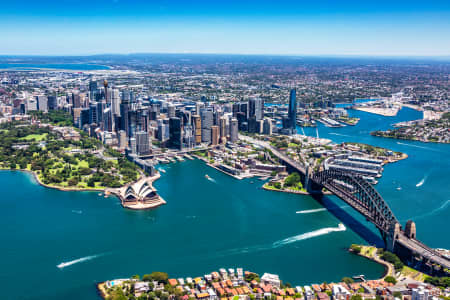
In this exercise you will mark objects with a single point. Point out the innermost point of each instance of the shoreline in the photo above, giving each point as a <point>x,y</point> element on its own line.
<point>101,290</point>
<point>294,191</point>
<point>61,188</point>
<point>388,267</point>
<point>214,167</point>
<point>349,123</point>
<point>405,139</point>
<point>385,112</point>
<point>412,106</point>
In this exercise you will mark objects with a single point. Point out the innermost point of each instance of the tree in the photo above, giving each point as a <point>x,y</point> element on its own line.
<point>91,182</point>
<point>356,297</point>
<point>160,277</point>
<point>117,294</point>
<point>347,280</point>
<point>390,279</point>
<point>397,295</point>
<point>392,258</point>
<point>355,248</point>
<point>72,181</point>
<point>252,276</point>
<point>292,180</point>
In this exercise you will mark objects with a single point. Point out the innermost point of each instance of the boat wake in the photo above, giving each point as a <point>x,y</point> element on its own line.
<point>340,134</point>
<point>308,235</point>
<point>310,211</point>
<point>434,211</point>
<point>417,146</point>
<point>420,183</point>
<point>77,211</point>
<point>283,242</point>
<point>211,179</point>
<point>78,260</point>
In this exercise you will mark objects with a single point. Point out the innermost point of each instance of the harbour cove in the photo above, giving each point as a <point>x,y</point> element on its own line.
<point>69,241</point>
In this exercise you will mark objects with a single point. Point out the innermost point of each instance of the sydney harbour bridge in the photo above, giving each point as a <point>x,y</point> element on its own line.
<point>364,198</point>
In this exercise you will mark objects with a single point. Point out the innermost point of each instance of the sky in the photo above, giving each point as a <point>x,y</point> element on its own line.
<point>286,27</point>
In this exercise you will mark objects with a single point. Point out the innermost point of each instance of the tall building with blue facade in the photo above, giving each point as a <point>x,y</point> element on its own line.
<point>292,113</point>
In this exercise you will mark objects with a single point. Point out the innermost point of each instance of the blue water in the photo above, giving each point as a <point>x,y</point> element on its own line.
<point>209,224</point>
<point>427,204</point>
<point>27,66</point>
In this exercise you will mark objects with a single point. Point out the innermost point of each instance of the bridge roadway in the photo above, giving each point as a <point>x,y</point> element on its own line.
<point>423,250</point>
<point>415,246</point>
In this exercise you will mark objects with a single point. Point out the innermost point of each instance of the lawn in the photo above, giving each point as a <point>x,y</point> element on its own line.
<point>36,137</point>
<point>411,273</point>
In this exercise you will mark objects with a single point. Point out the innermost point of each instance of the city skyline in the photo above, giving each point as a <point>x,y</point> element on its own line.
<point>350,28</point>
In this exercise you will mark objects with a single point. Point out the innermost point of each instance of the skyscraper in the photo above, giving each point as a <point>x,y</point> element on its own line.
<point>196,120</point>
<point>207,121</point>
<point>171,111</point>
<point>292,113</point>
<point>267,126</point>
<point>214,135</point>
<point>256,108</point>
<point>115,102</point>
<point>142,143</point>
<point>105,84</point>
<point>234,130</point>
<point>223,129</point>
<point>42,103</point>
<point>176,133</point>
<point>52,102</point>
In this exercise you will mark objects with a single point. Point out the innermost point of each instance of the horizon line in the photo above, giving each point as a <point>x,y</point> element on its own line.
<point>234,54</point>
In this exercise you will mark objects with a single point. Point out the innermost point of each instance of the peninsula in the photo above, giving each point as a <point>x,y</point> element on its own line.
<point>62,157</point>
<point>434,130</point>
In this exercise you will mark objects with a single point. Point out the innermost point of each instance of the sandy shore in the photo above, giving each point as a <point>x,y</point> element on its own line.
<point>386,112</point>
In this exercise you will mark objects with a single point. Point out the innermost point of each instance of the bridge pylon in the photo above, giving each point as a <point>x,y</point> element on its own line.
<point>310,185</point>
<point>391,237</point>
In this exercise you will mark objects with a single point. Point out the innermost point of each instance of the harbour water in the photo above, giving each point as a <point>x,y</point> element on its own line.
<point>68,241</point>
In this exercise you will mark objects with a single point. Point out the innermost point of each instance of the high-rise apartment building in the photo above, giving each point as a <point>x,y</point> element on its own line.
<point>215,135</point>
<point>206,122</point>
<point>197,122</point>
<point>234,130</point>
<point>256,108</point>
<point>142,143</point>
<point>176,133</point>
<point>292,113</point>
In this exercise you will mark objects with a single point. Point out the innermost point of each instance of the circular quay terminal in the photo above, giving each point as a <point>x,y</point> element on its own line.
<point>225,150</point>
